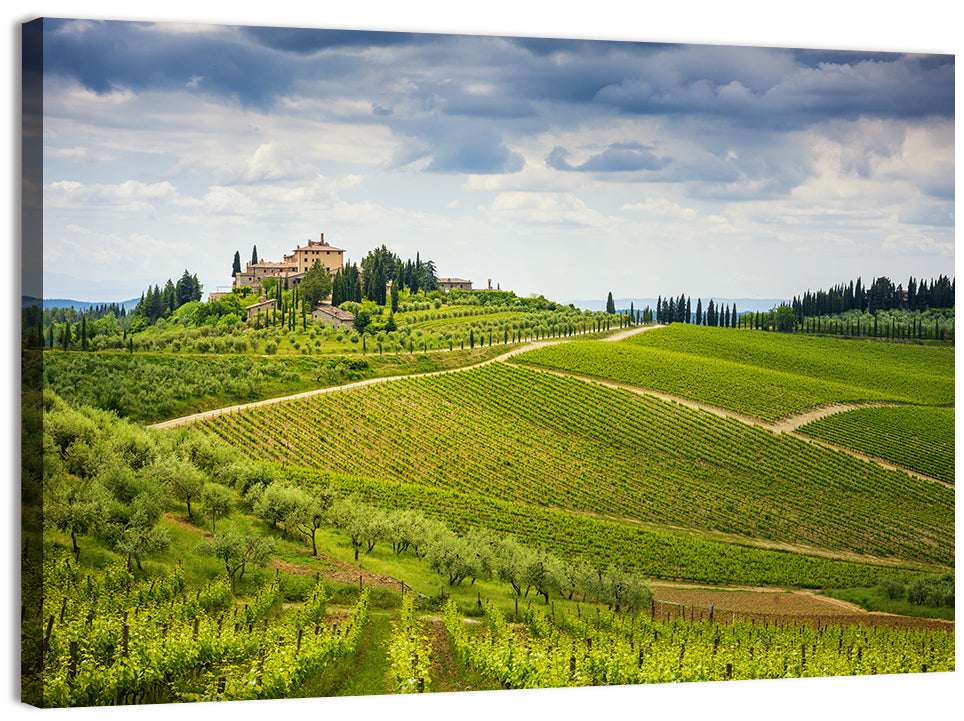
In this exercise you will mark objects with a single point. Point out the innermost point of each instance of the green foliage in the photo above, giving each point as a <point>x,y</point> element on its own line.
<point>152,388</point>
<point>158,640</point>
<point>561,650</point>
<point>784,318</point>
<point>216,502</point>
<point>763,375</point>
<point>236,551</point>
<point>920,439</point>
<point>542,440</point>
<point>927,596</point>
<point>316,285</point>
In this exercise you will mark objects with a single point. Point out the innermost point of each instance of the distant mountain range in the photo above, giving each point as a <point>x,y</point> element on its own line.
<point>28,301</point>
<point>743,305</point>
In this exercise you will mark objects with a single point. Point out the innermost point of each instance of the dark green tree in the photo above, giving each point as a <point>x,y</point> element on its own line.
<point>254,255</point>
<point>784,318</point>
<point>610,304</point>
<point>362,319</point>
<point>236,266</point>
<point>316,285</point>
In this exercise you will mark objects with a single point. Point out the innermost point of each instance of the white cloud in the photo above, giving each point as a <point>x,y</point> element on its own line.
<point>661,208</point>
<point>918,243</point>
<point>554,209</point>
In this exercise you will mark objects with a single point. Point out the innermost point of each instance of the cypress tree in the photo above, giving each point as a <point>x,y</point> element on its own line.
<point>610,304</point>
<point>66,336</point>
<point>254,255</point>
<point>699,311</point>
<point>236,267</point>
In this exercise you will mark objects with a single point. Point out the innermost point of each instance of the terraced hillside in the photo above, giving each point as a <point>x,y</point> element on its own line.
<point>546,441</point>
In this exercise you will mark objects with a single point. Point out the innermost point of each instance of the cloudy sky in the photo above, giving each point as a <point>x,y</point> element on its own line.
<point>562,167</point>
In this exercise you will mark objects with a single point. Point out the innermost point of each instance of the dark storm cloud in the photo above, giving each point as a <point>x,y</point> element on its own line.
<point>754,87</point>
<point>104,55</point>
<point>303,41</point>
<point>617,158</point>
<point>462,100</point>
<point>902,88</point>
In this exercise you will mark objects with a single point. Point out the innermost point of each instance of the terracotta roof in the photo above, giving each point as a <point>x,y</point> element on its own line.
<point>453,280</point>
<point>314,245</point>
<point>270,301</point>
<point>263,264</point>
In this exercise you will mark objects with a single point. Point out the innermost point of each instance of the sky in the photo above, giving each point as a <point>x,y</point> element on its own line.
<point>567,168</point>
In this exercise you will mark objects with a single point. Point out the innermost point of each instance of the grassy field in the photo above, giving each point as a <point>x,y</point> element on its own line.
<point>764,375</point>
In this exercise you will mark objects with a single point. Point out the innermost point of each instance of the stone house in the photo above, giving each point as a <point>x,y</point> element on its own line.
<point>262,306</point>
<point>447,284</point>
<point>330,315</point>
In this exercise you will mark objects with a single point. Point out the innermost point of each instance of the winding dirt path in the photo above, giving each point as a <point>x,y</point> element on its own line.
<point>185,420</point>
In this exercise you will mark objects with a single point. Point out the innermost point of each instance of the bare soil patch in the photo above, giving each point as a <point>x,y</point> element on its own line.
<point>774,605</point>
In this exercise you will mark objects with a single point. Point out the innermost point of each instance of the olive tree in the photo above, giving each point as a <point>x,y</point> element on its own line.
<point>216,500</point>
<point>309,513</point>
<point>237,551</point>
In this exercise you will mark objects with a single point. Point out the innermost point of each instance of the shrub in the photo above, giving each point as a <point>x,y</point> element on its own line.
<point>892,588</point>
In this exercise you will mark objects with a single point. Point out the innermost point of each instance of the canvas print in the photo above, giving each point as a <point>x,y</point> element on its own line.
<point>363,362</point>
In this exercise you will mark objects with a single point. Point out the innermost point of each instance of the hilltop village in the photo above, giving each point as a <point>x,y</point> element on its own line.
<point>291,271</point>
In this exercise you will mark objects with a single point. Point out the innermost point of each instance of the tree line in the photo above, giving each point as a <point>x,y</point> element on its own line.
<point>159,302</point>
<point>680,310</point>
<point>881,294</point>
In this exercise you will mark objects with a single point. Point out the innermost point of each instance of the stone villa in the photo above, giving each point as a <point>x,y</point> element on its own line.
<point>294,266</point>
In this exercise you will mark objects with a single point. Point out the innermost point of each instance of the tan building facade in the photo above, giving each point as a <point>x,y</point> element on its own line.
<point>294,266</point>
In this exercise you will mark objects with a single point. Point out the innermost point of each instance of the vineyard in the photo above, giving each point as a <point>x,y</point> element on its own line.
<point>921,439</point>
<point>763,375</point>
<point>546,441</point>
<point>552,649</point>
<point>523,479</point>
<point>112,639</point>
<point>600,541</point>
